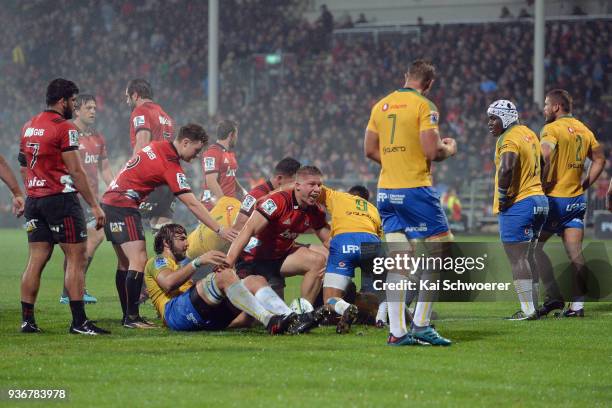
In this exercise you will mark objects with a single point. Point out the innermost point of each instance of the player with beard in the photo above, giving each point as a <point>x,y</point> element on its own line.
<point>266,244</point>
<point>92,149</point>
<point>566,144</point>
<point>219,166</point>
<point>53,174</point>
<point>156,164</point>
<point>150,123</point>
<point>212,303</point>
<point>518,201</point>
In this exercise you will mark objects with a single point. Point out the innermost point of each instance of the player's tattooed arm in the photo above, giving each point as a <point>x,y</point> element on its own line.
<point>598,164</point>
<point>254,225</point>
<point>371,147</point>
<point>509,160</point>
<point>143,138</point>
<point>436,149</point>
<point>11,181</point>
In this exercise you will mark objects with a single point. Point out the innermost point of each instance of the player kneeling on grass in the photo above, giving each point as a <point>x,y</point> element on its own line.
<point>354,221</point>
<point>212,303</point>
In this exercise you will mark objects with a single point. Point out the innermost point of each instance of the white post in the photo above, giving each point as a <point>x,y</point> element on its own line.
<point>538,53</point>
<point>213,56</point>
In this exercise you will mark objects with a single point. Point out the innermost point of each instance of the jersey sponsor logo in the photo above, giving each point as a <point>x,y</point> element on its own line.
<point>91,158</point>
<point>575,165</point>
<point>385,107</point>
<point>116,227</point>
<point>209,163</point>
<point>269,206</point>
<point>421,228</point>
<point>181,180</point>
<point>434,117</point>
<point>230,172</point>
<point>73,137</point>
<point>350,249</point>
<point>341,265</point>
<point>394,149</point>
<point>382,197</point>
<point>161,262</point>
<point>36,182</point>
<point>139,121</point>
<point>164,121</point>
<point>55,228</point>
<point>30,226</point>
<point>29,132</point>
<point>248,203</point>
<point>149,151</point>
<point>396,198</point>
<point>575,207</point>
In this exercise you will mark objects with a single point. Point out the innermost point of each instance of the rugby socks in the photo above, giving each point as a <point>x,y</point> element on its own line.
<point>244,300</point>
<point>340,305</point>
<point>133,285</point>
<point>396,300</point>
<point>576,306</point>
<point>271,301</point>
<point>89,259</point>
<point>422,314</point>
<point>120,277</point>
<point>211,291</point>
<point>524,291</point>
<point>77,307</point>
<point>27,312</point>
<point>381,315</point>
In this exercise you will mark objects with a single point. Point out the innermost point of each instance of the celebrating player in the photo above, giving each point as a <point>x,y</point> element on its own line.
<point>6,174</point>
<point>518,200</point>
<point>92,149</point>
<point>53,174</point>
<point>156,164</point>
<point>268,237</point>
<point>402,136</point>
<point>566,143</point>
<point>150,123</point>
<point>213,302</point>
<point>284,177</point>
<point>354,221</point>
<point>219,165</point>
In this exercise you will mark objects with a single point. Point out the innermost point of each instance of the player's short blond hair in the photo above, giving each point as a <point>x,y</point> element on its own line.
<point>422,71</point>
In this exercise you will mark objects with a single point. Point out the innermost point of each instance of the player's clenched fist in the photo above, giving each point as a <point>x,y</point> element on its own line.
<point>451,144</point>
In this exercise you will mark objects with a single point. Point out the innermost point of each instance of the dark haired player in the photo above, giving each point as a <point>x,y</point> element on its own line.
<point>566,144</point>
<point>154,165</point>
<point>212,303</point>
<point>402,136</point>
<point>284,177</point>
<point>92,149</point>
<point>150,123</point>
<point>267,244</point>
<point>219,165</point>
<point>6,174</point>
<point>53,174</point>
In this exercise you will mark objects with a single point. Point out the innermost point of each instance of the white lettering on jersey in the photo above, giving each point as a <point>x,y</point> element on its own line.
<point>149,151</point>
<point>29,132</point>
<point>164,120</point>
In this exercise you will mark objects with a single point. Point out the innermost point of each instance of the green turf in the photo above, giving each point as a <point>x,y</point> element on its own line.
<point>491,363</point>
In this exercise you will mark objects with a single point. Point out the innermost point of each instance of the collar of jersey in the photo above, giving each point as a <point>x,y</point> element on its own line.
<point>221,146</point>
<point>296,205</point>
<point>406,90</point>
<point>174,149</point>
<point>54,111</point>
<point>506,131</point>
<point>270,185</point>
<point>569,115</point>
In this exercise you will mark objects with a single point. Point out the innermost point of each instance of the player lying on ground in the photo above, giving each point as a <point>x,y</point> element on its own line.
<point>566,144</point>
<point>518,200</point>
<point>354,221</point>
<point>154,165</point>
<point>214,302</point>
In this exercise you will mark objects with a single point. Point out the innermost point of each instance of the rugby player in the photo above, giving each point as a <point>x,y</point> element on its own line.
<point>283,178</point>
<point>6,174</point>
<point>53,174</point>
<point>156,164</point>
<point>402,136</point>
<point>566,144</point>
<point>518,201</point>
<point>219,165</point>
<point>92,149</point>
<point>267,244</point>
<point>609,197</point>
<point>212,303</point>
<point>354,221</point>
<point>150,123</point>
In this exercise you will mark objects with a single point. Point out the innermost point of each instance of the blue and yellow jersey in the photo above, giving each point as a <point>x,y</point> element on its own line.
<point>203,239</point>
<point>526,181</point>
<point>158,296</point>
<point>571,142</point>
<point>350,213</point>
<point>398,119</point>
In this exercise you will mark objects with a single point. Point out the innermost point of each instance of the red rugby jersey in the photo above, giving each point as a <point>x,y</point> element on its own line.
<point>150,116</point>
<point>154,165</point>
<point>217,159</point>
<point>92,147</point>
<point>258,192</point>
<point>43,139</point>
<point>286,221</point>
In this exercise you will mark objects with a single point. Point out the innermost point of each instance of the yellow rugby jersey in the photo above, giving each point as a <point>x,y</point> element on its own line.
<point>571,141</point>
<point>526,181</point>
<point>398,119</point>
<point>203,239</point>
<point>158,296</point>
<point>350,213</point>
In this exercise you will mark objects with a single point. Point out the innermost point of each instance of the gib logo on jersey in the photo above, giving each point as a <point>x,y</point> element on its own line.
<point>350,249</point>
<point>29,132</point>
<point>269,206</point>
<point>164,121</point>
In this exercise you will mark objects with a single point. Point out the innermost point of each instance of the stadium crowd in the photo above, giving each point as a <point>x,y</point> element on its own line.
<point>317,105</point>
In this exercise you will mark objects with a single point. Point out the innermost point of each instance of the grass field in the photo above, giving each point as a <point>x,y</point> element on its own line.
<point>550,362</point>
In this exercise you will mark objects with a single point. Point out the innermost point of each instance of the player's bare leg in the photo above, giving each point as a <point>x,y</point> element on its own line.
<point>39,255</point>
<point>572,240</point>
<point>310,265</point>
<point>136,254</point>
<point>94,239</point>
